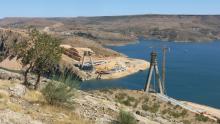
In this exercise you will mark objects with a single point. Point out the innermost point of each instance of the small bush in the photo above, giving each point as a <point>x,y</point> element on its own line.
<point>145,107</point>
<point>152,109</point>
<point>200,117</point>
<point>126,118</point>
<point>68,80</point>
<point>1,96</point>
<point>146,99</point>
<point>169,103</point>
<point>164,111</point>
<point>218,121</point>
<point>132,99</point>
<point>120,96</point>
<point>105,90</point>
<point>123,98</point>
<point>126,102</point>
<point>176,106</point>
<point>186,122</point>
<point>176,114</point>
<point>155,108</point>
<point>136,103</point>
<point>184,113</point>
<point>58,93</point>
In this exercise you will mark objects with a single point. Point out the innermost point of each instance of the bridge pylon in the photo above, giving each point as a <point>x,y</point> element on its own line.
<point>154,69</point>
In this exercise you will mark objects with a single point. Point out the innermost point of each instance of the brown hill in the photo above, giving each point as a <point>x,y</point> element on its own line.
<point>122,29</point>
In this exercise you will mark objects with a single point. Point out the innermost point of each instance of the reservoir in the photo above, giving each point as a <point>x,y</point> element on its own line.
<point>192,70</point>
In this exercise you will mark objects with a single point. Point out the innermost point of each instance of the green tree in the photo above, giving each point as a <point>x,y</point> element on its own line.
<point>40,53</point>
<point>25,51</point>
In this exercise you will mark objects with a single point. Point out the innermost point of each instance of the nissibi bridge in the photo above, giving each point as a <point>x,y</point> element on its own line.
<point>155,85</point>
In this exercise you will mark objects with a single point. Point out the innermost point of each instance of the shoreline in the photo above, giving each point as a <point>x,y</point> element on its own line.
<point>156,39</point>
<point>132,66</point>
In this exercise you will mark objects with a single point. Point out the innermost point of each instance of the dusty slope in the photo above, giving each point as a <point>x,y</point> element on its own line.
<point>21,106</point>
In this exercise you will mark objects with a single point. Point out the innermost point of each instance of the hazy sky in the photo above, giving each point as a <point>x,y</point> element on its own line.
<point>67,8</point>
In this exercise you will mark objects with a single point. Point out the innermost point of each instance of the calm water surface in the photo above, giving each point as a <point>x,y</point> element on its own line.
<point>193,70</point>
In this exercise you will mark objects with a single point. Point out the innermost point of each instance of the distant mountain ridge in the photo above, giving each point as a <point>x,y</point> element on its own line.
<point>129,28</point>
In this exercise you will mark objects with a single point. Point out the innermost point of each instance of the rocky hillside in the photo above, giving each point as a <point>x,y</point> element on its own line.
<point>19,105</point>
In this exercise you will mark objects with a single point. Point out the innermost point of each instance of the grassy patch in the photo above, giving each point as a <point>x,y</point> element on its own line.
<point>14,107</point>
<point>106,90</point>
<point>72,118</point>
<point>200,117</point>
<point>68,116</point>
<point>126,118</point>
<point>123,98</point>
<point>120,96</point>
<point>165,111</point>
<point>146,99</point>
<point>5,84</point>
<point>136,103</point>
<point>174,113</point>
<point>154,108</point>
<point>34,96</point>
<point>4,97</point>
<point>186,122</point>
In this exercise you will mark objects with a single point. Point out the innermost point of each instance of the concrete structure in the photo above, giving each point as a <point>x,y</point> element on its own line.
<point>87,54</point>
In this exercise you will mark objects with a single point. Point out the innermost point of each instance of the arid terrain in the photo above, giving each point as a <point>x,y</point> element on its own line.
<point>123,29</point>
<point>21,105</point>
<point>83,35</point>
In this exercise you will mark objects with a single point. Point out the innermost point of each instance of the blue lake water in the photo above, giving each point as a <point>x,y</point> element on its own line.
<point>192,70</point>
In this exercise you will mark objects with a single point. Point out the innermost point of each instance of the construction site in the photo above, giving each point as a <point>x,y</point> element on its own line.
<point>96,67</point>
<point>155,85</point>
